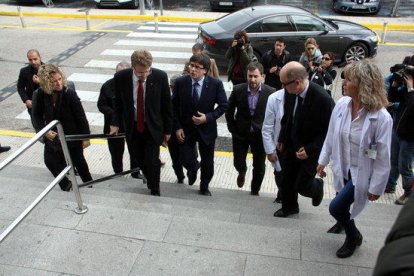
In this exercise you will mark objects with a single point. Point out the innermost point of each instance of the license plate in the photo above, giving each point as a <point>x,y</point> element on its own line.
<point>225,3</point>
<point>359,7</point>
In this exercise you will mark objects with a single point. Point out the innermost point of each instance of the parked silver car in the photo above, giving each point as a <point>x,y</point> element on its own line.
<point>357,6</point>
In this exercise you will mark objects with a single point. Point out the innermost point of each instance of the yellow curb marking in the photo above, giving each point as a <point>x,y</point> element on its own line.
<point>13,133</point>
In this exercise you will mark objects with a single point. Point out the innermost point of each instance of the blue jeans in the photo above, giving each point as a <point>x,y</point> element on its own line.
<point>340,209</point>
<point>402,158</point>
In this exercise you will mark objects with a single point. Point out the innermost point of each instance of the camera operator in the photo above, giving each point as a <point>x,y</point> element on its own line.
<point>323,73</point>
<point>402,145</point>
<point>239,55</point>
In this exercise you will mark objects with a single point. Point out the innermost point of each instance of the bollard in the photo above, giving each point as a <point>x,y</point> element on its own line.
<point>384,32</point>
<point>156,22</point>
<point>141,7</point>
<point>87,20</point>
<point>19,9</point>
<point>161,8</point>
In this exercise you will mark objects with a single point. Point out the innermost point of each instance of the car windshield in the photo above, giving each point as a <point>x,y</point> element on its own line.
<point>231,20</point>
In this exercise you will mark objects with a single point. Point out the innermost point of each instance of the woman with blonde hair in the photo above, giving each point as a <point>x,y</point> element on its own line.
<point>55,101</point>
<point>358,144</point>
<point>312,56</point>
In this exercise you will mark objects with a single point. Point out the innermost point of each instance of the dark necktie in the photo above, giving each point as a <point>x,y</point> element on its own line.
<point>195,94</point>
<point>295,125</point>
<point>140,107</point>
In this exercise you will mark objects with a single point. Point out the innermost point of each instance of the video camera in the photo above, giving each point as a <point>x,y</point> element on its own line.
<point>399,71</point>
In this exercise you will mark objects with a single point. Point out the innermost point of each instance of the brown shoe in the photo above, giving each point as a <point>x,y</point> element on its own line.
<point>240,180</point>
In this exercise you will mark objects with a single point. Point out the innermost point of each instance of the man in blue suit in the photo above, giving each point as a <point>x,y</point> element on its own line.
<point>195,113</point>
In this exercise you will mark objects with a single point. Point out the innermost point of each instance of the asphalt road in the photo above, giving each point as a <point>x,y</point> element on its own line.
<point>72,50</point>
<point>323,8</point>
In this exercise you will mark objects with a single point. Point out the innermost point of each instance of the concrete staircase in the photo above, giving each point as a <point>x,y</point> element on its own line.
<point>128,232</point>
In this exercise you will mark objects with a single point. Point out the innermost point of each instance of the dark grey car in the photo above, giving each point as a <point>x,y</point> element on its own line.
<point>263,24</point>
<point>357,6</point>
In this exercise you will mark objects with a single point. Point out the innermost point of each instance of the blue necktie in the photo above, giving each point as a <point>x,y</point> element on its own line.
<point>195,94</point>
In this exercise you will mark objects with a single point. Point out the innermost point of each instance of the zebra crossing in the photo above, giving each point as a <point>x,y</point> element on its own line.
<point>170,48</point>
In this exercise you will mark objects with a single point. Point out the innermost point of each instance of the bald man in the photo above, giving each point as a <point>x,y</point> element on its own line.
<point>28,80</point>
<point>304,125</point>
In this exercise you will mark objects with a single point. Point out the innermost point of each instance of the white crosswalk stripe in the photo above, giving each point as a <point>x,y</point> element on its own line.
<point>172,48</point>
<point>155,54</point>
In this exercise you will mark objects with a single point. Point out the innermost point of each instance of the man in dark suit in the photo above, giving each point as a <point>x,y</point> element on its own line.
<point>143,101</point>
<point>244,116</point>
<point>195,113</point>
<point>105,105</point>
<point>308,110</point>
<point>28,80</point>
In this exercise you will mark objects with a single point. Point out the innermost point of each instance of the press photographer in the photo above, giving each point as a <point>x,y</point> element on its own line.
<point>402,148</point>
<point>239,55</point>
<point>323,73</point>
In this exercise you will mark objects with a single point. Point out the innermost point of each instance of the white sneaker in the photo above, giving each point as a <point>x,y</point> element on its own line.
<point>401,200</point>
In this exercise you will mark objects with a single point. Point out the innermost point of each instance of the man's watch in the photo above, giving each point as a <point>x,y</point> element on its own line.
<point>411,90</point>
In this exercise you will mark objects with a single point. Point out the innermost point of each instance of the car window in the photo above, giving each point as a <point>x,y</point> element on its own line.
<point>271,25</point>
<point>228,22</point>
<point>307,24</point>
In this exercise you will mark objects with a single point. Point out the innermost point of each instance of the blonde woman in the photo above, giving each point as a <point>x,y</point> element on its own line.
<point>312,56</point>
<point>358,144</point>
<point>55,101</point>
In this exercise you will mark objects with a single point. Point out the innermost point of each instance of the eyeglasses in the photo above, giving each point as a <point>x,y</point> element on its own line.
<point>326,58</point>
<point>287,83</point>
<point>195,66</point>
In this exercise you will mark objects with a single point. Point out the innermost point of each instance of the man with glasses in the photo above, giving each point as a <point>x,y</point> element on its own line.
<point>198,101</point>
<point>244,116</point>
<point>304,125</point>
<point>143,101</point>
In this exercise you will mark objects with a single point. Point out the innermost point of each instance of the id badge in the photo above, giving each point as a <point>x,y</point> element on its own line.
<point>371,153</point>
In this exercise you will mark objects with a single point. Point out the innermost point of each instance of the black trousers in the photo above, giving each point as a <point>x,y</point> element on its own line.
<point>146,152</point>
<point>174,150</point>
<point>296,179</point>
<point>116,148</point>
<point>55,162</point>
<point>188,154</point>
<point>241,146</point>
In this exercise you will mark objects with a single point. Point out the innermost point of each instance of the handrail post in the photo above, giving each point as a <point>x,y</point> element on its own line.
<point>88,18</point>
<point>81,209</point>
<point>19,9</point>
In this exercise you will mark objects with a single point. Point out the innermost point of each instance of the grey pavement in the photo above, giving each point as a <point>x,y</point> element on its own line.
<point>128,232</point>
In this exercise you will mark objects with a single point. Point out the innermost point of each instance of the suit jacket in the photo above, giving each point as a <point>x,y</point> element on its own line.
<point>25,84</point>
<point>238,117</point>
<point>212,93</point>
<point>68,110</point>
<point>158,112</point>
<point>106,104</point>
<point>313,123</point>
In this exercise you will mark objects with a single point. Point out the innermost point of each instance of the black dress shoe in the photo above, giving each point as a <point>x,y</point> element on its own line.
<point>192,177</point>
<point>389,190</point>
<point>240,180</point>
<point>180,180</point>
<point>136,175</point>
<point>155,193</point>
<point>317,199</point>
<point>336,229</point>
<point>278,198</point>
<point>204,192</point>
<point>349,246</point>
<point>283,214</point>
<point>254,193</point>
<point>4,149</point>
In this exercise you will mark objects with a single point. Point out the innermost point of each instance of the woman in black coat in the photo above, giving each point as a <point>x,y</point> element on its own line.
<point>324,74</point>
<point>55,101</point>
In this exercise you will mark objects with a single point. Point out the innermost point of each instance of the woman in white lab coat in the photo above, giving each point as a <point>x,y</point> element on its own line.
<point>358,145</point>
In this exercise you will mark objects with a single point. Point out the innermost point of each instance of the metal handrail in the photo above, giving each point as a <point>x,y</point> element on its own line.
<point>81,209</point>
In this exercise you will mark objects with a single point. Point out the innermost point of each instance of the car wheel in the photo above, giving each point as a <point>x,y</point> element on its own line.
<point>135,4</point>
<point>356,51</point>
